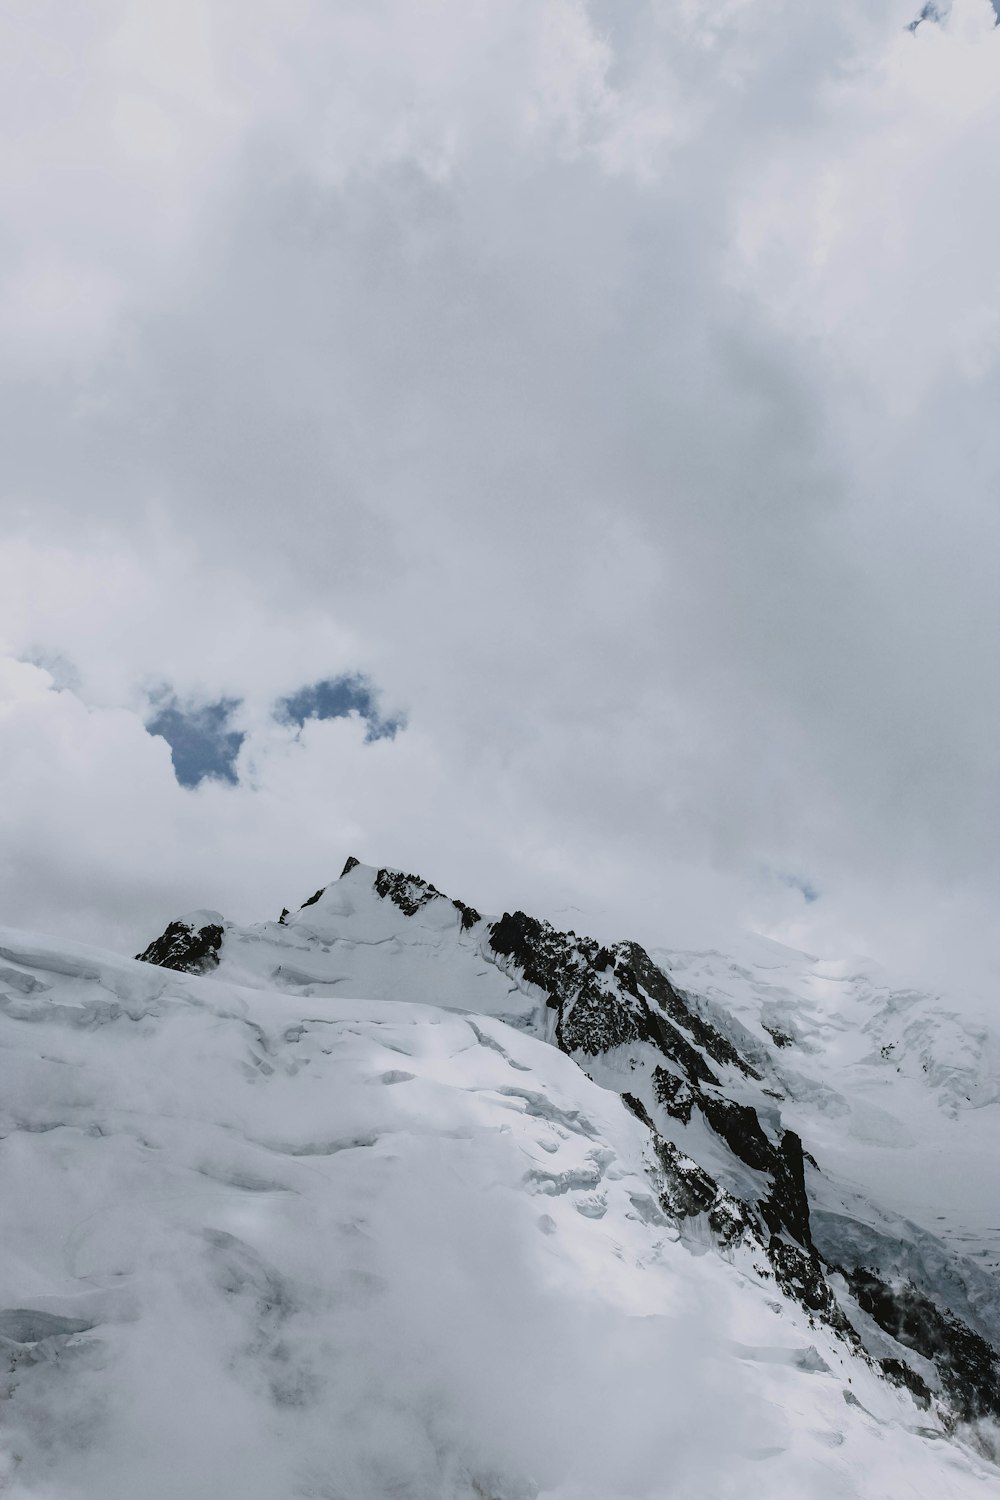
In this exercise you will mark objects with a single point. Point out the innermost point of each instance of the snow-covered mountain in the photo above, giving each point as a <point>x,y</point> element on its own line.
<point>385,1198</point>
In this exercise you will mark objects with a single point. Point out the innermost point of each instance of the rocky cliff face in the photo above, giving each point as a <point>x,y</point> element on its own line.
<point>708,1089</point>
<point>265,1236</point>
<point>190,945</point>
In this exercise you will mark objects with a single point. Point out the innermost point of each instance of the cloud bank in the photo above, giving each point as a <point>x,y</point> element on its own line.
<point>613,386</point>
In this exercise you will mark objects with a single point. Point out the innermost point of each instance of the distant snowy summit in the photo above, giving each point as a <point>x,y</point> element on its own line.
<point>834,1137</point>
<point>388,1200</point>
<point>263,1237</point>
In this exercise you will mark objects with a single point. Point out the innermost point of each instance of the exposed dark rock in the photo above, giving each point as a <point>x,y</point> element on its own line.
<point>967,1364</point>
<point>802,1275</point>
<point>591,1017</point>
<point>675,1094</point>
<point>284,914</point>
<point>741,1130</point>
<point>609,997</point>
<point>313,898</point>
<point>599,1010</point>
<point>662,1034</point>
<point>615,997</point>
<point>591,1021</point>
<point>189,949</point>
<point>518,936</point>
<point>636,969</point>
<point>731,1221</point>
<point>350,865</point>
<point>687,1188</point>
<point>469,915</point>
<point>900,1373</point>
<point>408,892</point>
<point>787,1205</point>
<point>638,1109</point>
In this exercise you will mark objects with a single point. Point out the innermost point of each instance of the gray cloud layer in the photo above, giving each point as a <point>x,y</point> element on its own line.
<point>615,385</point>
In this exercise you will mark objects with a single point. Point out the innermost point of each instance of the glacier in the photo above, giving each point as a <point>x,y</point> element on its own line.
<point>385,1198</point>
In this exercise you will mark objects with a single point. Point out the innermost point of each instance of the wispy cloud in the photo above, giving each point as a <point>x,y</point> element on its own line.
<point>614,387</point>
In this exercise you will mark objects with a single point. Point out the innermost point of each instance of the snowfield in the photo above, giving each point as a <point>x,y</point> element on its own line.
<point>263,1239</point>
<point>898,1089</point>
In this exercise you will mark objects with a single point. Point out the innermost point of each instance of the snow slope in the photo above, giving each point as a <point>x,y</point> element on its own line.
<point>898,1090</point>
<point>812,1113</point>
<point>264,1242</point>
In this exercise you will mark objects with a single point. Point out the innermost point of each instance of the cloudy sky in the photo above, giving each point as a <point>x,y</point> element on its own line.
<point>550,446</point>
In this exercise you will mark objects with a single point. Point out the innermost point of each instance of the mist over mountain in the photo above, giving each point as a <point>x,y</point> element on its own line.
<point>551,444</point>
<point>550,447</point>
<point>385,1197</point>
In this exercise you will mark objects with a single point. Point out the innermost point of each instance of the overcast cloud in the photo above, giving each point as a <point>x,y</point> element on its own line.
<point>614,387</point>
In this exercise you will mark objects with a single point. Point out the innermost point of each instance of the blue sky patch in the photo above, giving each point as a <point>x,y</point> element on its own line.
<point>940,10</point>
<point>202,745</point>
<point>337,698</point>
<point>805,887</point>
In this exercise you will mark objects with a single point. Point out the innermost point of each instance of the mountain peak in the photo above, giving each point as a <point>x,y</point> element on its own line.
<point>189,944</point>
<point>739,1127</point>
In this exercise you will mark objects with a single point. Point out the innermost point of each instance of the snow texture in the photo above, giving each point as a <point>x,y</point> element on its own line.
<point>327,1220</point>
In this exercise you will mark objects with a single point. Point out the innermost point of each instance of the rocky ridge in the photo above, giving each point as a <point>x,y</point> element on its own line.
<point>709,1093</point>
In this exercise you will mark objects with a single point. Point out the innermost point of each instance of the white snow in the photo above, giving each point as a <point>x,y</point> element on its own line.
<point>263,1245</point>
<point>895,1091</point>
